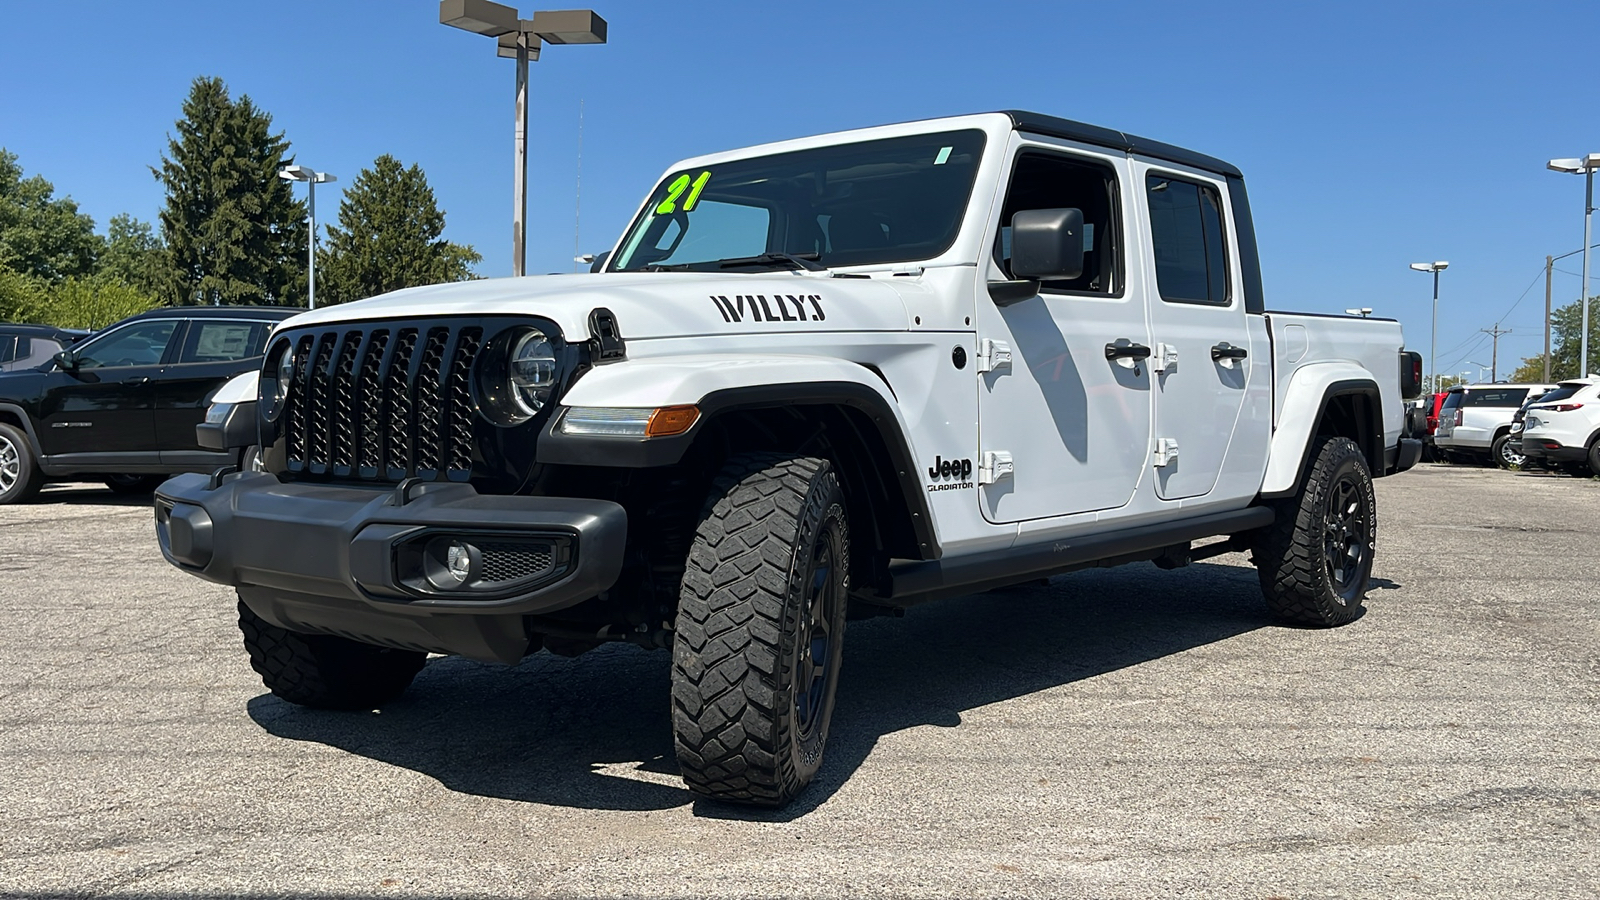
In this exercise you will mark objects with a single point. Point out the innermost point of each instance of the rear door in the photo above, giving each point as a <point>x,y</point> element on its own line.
<point>212,350</point>
<point>107,403</point>
<point>1201,358</point>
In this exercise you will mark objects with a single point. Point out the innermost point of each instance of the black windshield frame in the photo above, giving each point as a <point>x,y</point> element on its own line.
<point>884,201</point>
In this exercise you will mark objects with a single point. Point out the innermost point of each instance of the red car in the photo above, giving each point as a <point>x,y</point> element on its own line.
<point>1433,412</point>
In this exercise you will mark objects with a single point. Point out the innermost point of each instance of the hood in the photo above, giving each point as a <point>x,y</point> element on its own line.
<point>648,304</point>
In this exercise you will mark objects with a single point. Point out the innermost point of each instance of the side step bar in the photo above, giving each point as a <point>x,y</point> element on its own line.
<point>920,581</point>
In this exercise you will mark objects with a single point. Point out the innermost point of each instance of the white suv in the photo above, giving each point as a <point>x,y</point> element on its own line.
<point>1562,429</point>
<point>1475,421</point>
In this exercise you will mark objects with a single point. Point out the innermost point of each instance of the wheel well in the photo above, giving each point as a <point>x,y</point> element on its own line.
<point>1355,415</point>
<point>11,418</point>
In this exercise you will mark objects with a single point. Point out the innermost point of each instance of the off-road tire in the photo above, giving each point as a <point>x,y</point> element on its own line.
<point>753,678</point>
<point>1293,556</point>
<point>323,671</point>
<point>1500,454</point>
<point>20,478</point>
<point>133,485</point>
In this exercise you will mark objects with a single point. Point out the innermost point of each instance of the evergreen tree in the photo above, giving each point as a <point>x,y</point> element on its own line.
<point>135,256</point>
<point>1565,325</point>
<point>40,236</point>
<point>389,236</point>
<point>234,231</point>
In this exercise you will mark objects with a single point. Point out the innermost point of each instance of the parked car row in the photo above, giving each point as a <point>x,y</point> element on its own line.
<point>1553,426</point>
<point>120,405</point>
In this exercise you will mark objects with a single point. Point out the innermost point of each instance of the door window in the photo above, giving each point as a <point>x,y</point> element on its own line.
<point>1053,181</point>
<point>141,344</point>
<point>222,341</point>
<point>8,349</point>
<point>1186,233</point>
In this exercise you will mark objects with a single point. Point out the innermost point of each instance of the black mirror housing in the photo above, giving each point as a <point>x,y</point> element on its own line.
<point>599,262</point>
<point>67,360</point>
<point>1047,244</point>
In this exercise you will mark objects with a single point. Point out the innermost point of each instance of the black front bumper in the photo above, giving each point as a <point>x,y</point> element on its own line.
<point>345,560</point>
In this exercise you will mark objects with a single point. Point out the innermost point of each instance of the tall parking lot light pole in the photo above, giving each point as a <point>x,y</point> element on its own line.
<point>312,178</point>
<point>1584,166</point>
<point>1435,268</point>
<point>519,39</point>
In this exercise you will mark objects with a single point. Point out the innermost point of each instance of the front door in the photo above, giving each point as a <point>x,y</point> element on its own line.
<point>213,350</point>
<point>106,403</point>
<point>1075,423</point>
<point>1202,356</point>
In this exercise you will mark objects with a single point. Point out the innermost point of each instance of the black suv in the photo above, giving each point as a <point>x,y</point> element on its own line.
<point>27,346</point>
<point>123,404</point>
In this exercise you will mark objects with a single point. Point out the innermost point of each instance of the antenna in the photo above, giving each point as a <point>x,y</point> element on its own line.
<point>577,212</point>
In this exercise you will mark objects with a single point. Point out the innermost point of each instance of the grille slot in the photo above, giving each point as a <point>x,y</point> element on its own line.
<point>383,403</point>
<point>507,561</point>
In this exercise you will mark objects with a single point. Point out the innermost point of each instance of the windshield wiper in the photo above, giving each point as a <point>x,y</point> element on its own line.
<point>806,261</point>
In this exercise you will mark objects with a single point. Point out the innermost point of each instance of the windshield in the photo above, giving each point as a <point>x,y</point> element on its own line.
<point>885,201</point>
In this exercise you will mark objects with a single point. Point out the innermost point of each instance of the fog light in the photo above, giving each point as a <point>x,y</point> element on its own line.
<point>451,563</point>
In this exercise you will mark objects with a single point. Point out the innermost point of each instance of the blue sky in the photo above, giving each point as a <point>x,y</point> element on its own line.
<point>1372,135</point>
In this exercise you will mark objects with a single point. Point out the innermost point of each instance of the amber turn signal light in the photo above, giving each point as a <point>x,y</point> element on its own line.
<point>670,420</point>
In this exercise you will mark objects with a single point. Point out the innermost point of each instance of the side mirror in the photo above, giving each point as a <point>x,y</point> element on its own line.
<point>1047,244</point>
<point>67,360</point>
<point>599,261</point>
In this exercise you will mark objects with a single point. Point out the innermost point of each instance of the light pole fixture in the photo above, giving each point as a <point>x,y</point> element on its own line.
<point>1584,166</point>
<point>312,178</point>
<point>1362,311</point>
<point>1433,346</point>
<point>519,39</point>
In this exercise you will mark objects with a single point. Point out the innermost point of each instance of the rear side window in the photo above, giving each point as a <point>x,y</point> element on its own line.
<point>1509,397</point>
<point>8,349</point>
<point>222,341</point>
<point>33,352</point>
<point>1560,393</point>
<point>1186,234</point>
<point>1451,401</point>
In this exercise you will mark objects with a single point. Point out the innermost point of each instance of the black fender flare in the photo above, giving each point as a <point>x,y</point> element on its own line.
<point>556,448</point>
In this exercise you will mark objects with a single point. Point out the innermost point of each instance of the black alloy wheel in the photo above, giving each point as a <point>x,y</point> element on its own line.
<point>1347,538</point>
<point>815,651</point>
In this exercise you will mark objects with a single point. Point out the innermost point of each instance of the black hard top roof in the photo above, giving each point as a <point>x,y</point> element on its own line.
<point>269,313</point>
<point>1038,123</point>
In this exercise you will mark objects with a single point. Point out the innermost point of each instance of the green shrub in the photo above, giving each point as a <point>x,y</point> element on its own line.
<point>93,303</point>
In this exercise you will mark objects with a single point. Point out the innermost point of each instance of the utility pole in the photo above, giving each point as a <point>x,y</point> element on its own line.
<point>1494,359</point>
<point>1549,263</point>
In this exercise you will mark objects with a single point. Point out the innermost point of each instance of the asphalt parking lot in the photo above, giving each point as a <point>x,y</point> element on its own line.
<point>1120,733</point>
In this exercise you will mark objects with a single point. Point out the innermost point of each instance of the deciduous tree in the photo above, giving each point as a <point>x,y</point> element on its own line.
<point>41,235</point>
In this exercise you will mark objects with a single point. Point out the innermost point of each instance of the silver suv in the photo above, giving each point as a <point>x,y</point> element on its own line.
<point>1475,421</point>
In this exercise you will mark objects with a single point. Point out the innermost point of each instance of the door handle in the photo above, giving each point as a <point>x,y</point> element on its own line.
<point>1226,350</point>
<point>1124,349</point>
<point>138,379</point>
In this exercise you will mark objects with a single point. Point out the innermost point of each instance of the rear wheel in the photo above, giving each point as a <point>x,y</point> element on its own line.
<point>1594,458</point>
<point>1505,455</point>
<point>1314,561</point>
<point>323,671</point>
<point>755,661</point>
<point>134,484</point>
<point>20,478</point>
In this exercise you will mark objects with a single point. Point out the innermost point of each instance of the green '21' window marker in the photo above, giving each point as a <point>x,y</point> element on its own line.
<point>674,191</point>
<point>694,195</point>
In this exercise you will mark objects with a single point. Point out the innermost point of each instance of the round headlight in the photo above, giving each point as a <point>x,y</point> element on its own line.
<point>516,376</point>
<point>277,382</point>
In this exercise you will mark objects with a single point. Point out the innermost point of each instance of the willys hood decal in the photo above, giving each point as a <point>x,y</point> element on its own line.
<point>648,305</point>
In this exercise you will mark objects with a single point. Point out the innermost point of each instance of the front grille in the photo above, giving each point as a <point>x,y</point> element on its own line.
<point>381,402</point>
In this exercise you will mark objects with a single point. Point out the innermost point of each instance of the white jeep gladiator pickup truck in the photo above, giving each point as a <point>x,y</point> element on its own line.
<point>824,378</point>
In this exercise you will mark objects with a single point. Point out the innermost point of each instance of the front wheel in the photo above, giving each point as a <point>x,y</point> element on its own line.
<point>20,478</point>
<point>1315,560</point>
<point>1505,455</point>
<point>760,625</point>
<point>323,671</point>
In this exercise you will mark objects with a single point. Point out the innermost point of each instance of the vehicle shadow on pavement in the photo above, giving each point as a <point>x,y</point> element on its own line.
<point>594,732</point>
